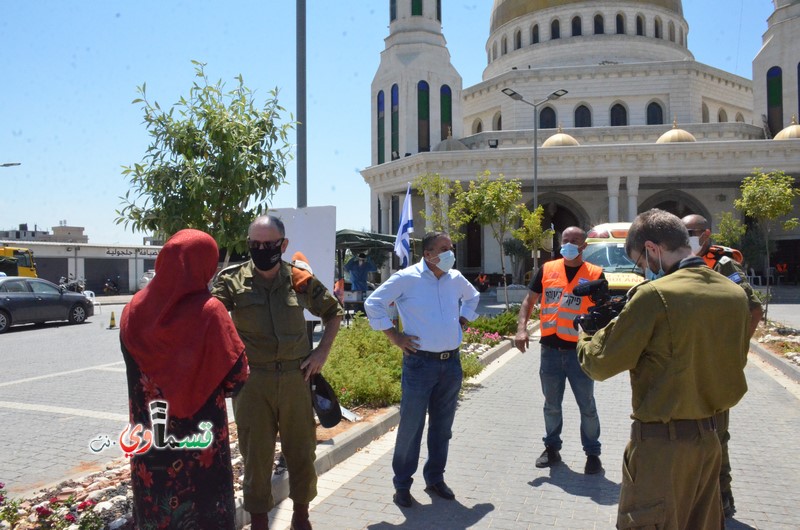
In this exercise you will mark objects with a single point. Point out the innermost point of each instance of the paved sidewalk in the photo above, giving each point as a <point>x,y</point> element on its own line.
<point>497,437</point>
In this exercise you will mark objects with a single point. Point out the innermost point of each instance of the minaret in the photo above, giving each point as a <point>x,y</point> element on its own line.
<point>776,71</point>
<point>416,92</point>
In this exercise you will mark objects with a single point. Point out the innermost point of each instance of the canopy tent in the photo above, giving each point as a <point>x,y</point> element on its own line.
<point>356,241</point>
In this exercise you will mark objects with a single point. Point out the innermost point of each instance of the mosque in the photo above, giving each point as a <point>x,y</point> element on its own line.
<point>620,118</point>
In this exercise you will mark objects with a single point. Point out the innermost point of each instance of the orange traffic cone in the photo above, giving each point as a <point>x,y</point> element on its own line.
<point>113,322</point>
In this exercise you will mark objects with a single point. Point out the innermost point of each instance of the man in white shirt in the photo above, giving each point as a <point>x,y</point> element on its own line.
<point>434,303</point>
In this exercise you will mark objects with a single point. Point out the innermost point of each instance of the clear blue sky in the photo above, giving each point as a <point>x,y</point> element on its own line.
<point>69,71</point>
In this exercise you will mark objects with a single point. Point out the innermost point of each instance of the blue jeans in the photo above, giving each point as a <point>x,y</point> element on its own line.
<point>429,386</point>
<point>556,368</point>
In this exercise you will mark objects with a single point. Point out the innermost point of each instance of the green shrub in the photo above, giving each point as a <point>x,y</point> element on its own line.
<point>505,323</point>
<point>471,365</point>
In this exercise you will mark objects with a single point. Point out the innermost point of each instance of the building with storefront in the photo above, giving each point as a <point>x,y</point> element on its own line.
<point>633,121</point>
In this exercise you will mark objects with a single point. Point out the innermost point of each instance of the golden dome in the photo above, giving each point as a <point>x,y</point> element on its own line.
<point>504,11</point>
<point>675,135</point>
<point>789,133</point>
<point>560,139</point>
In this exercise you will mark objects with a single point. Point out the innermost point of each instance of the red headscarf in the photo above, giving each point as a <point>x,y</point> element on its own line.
<point>179,335</point>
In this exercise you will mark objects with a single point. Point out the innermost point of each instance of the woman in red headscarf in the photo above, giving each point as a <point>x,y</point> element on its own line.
<point>183,357</point>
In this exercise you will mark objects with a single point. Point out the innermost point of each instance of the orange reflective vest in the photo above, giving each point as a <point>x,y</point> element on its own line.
<point>559,305</point>
<point>715,252</point>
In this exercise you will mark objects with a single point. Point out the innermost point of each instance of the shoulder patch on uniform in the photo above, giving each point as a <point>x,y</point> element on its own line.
<point>724,260</point>
<point>735,277</point>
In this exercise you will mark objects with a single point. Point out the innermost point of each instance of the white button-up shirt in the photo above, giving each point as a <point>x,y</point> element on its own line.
<point>429,308</point>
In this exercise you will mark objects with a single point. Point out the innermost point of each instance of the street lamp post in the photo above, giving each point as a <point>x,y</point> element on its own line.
<point>516,96</point>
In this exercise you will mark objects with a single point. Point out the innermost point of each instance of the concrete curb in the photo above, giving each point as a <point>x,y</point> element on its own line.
<point>788,369</point>
<point>342,447</point>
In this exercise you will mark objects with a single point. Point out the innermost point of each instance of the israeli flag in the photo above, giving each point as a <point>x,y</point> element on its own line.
<point>402,244</point>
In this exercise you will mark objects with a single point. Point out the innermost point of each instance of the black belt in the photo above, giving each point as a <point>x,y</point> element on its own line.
<point>673,430</point>
<point>439,355</point>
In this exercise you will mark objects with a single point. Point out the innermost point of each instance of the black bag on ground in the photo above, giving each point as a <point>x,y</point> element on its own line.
<point>325,402</point>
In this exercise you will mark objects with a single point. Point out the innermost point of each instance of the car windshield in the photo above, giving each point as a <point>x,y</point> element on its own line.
<point>610,256</point>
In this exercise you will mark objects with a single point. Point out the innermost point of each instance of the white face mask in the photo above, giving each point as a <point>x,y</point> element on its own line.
<point>694,242</point>
<point>446,261</point>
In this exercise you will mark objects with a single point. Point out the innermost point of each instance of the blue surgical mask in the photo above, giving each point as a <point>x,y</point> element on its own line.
<point>570,251</point>
<point>446,261</point>
<point>650,275</point>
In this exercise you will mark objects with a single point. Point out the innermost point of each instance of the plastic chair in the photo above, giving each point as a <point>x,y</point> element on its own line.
<point>90,295</point>
<point>752,277</point>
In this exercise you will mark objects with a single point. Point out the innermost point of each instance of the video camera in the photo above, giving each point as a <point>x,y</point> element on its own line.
<point>605,307</point>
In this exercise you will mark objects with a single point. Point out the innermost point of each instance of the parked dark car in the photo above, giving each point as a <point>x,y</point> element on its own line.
<point>33,300</point>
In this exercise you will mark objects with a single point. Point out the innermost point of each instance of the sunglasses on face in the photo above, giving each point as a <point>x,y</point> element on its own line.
<point>253,244</point>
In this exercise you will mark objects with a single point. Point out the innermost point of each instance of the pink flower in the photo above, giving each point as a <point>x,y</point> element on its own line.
<point>2,485</point>
<point>71,518</point>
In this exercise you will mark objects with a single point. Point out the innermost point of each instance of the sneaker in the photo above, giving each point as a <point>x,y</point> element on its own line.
<point>549,457</point>
<point>593,465</point>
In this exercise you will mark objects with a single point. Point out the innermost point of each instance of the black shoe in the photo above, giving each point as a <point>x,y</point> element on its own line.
<point>593,465</point>
<point>549,457</point>
<point>442,490</point>
<point>403,498</point>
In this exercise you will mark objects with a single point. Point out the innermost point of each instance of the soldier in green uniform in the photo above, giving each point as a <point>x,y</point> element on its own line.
<point>267,310</point>
<point>684,337</point>
<point>721,260</point>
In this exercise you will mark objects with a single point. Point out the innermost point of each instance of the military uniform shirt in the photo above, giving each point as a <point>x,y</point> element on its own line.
<point>731,270</point>
<point>685,340</point>
<point>269,316</point>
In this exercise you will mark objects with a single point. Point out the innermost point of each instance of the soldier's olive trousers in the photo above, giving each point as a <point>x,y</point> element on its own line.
<point>272,403</point>
<point>671,483</point>
<point>723,420</point>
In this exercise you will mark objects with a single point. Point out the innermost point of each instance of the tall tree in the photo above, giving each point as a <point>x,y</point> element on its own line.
<point>496,203</point>
<point>443,216</point>
<point>730,230</point>
<point>214,161</point>
<point>768,197</point>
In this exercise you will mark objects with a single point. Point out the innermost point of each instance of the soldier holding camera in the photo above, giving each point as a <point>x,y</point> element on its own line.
<point>684,338</point>
<point>557,279</point>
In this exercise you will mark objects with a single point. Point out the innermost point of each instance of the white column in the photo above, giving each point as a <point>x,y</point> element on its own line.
<point>386,207</point>
<point>428,211</point>
<point>632,183</point>
<point>613,199</point>
<point>443,198</point>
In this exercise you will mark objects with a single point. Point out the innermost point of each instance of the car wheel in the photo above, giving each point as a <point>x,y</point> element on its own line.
<point>77,315</point>
<point>5,321</point>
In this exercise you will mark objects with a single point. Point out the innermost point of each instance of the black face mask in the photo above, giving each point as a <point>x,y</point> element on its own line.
<point>266,259</point>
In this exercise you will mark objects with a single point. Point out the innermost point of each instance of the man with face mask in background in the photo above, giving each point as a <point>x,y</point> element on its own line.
<point>720,259</point>
<point>559,362</point>
<point>683,336</point>
<point>359,267</point>
<point>267,310</point>
<point>434,302</point>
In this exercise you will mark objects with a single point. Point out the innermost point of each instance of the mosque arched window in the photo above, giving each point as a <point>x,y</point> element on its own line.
<point>739,117</point>
<point>583,116</point>
<point>416,8</point>
<point>503,46</point>
<point>671,31</point>
<point>655,114</point>
<point>517,39</point>
<point>395,122</point>
<point>640,26</point>
<point>658,28</point>
<point>381,139</point>
<point>494,50</point>
<point>547,118</point>
<point>535,34</point>
<point>775,99</point>
<point>423,116</point>
<point>620,24</point>
<point>477,126</point>
<point>497,122</point>
<point>599,26</point>
<point>619,115</point>
<point>446,111</point>
<point>722,116</point>
<point>576,27</point>
<point>555,30</point>
<point>439,10</point>
<point>704,113</point>
<point>392,10</point>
